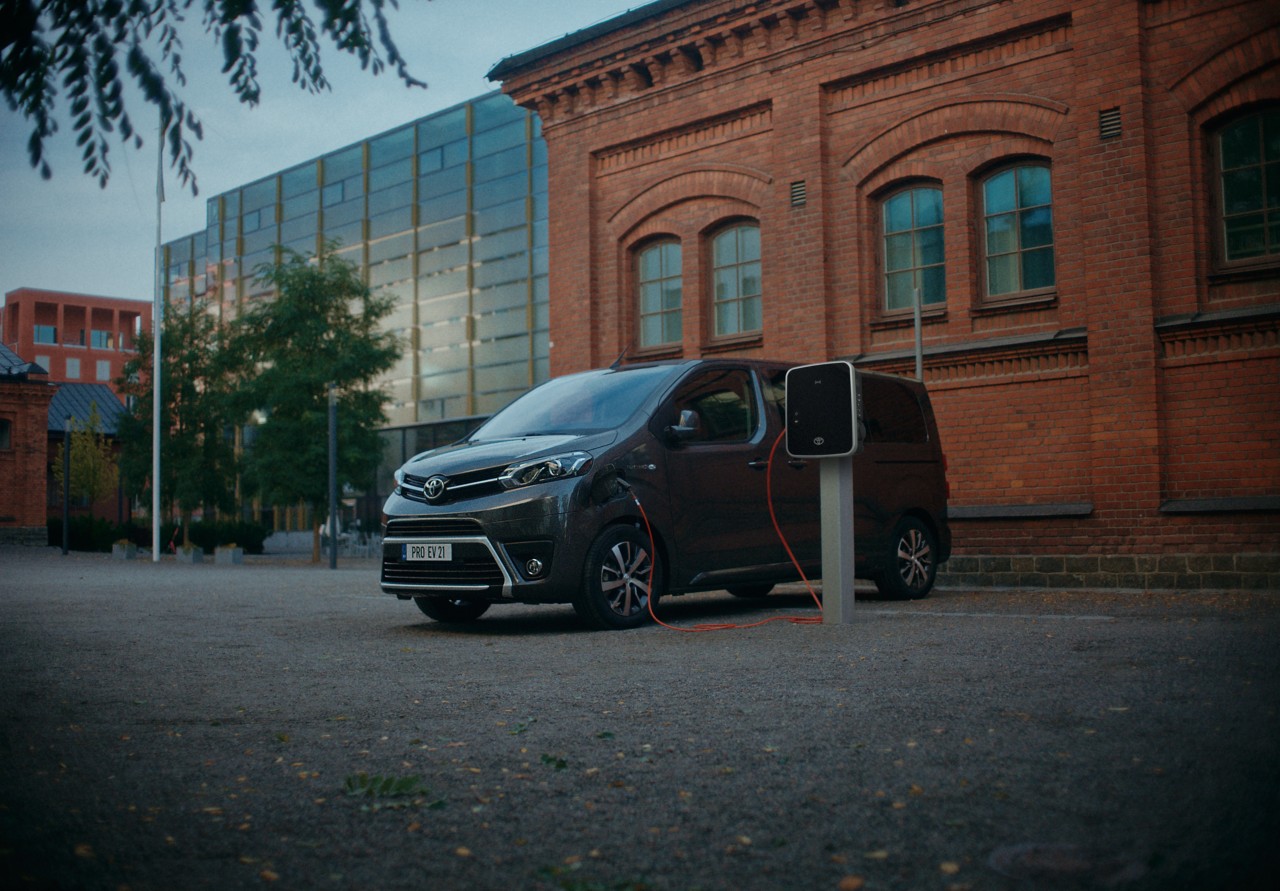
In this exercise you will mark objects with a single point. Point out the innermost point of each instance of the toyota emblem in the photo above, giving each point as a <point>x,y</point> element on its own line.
<point>434,488</point>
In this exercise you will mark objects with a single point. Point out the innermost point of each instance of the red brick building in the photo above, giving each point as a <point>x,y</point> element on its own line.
<point>1085,194</point>
<point>25,394</point>
<point>77,338</point>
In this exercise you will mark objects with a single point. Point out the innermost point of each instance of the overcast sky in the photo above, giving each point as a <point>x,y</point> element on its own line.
<point>67,234</point>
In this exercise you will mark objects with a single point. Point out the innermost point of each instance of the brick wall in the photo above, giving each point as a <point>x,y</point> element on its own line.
<point>22,466</point>
<point>1128,409</point>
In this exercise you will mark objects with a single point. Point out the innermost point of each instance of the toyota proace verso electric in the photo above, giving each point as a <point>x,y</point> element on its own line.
<point>547,501</point>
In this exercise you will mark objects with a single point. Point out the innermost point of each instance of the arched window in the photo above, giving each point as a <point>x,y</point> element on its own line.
<point>661,295</point>
<point>1017,206</point>
<point>1249,181</point>
<point>914,248</point>
<point>735,272</point>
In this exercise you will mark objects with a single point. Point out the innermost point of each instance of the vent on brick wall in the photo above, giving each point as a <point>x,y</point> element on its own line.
<point>798,194</point>
<point>1109,123</point>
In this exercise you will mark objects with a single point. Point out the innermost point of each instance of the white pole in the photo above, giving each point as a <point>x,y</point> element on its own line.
<point>835,512</point>
<point>157,323</point>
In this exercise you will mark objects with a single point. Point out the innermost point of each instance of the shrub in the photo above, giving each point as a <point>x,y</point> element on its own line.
<point>85,533</point>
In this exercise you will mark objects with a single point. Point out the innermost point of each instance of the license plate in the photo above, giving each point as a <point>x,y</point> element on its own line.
<point>416,552</point>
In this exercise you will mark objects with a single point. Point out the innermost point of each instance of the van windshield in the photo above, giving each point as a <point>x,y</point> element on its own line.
<point>578,403</point>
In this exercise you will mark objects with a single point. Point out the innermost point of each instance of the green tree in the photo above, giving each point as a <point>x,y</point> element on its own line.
<point>92,465</point>
<point>321,327</point>
<point>89,47</point>
<point>198,375</point>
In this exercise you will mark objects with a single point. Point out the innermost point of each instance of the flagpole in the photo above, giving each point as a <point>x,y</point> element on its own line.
<point>157,323</point>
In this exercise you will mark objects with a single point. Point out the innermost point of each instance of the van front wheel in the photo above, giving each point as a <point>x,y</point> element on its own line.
<point>618,580</point>
<point>910,562</point>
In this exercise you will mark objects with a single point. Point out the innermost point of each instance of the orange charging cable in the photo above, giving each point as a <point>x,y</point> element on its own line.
<point>729,626</point>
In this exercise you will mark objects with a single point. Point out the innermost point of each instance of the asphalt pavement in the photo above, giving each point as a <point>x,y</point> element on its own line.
<point>282,725</point>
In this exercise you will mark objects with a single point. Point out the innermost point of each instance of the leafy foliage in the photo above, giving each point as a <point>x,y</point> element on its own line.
<point>90,49</point>
<point>389,792</point>
<point>198,376</point>
<point>92,464</point>
<point>363,785</point>
<point>322,326</point>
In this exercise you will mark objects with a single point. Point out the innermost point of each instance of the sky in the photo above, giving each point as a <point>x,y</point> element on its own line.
<point>67,234</point>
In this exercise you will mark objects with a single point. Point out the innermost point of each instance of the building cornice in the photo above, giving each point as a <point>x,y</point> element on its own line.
<point>666,44</point>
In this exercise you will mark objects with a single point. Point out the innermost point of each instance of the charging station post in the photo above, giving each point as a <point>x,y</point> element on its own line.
<point>824,421</point>
<point>836,498</point>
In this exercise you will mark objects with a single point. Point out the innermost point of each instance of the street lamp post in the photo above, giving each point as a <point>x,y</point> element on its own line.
<point>66,487</point>
<point>333,475</point>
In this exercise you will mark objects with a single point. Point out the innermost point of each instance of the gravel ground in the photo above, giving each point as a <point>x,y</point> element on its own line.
<point>171,726</point>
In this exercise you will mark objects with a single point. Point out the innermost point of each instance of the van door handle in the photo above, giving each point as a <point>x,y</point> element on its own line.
<point>758,464</point>
<point>797,464</point>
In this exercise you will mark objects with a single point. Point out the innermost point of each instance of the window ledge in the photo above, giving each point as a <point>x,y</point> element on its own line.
<point>929,314</point>
<point>1238,504</point>
<point>1258,271</point>
<point>664,351</point>
<point>1015,304</point>
<point>736,342</point>
<point>1244,315</point>
<point>1018,511</point>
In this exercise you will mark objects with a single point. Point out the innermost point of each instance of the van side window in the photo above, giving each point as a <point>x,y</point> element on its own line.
<point>891,412</point>
<point>724,402</point>
<point>775,392</point>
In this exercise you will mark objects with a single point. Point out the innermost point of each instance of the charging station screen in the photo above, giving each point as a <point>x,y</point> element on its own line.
<point>822,410</point>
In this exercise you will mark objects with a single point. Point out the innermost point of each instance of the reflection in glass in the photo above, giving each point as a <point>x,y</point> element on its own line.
<point>1018,224</point>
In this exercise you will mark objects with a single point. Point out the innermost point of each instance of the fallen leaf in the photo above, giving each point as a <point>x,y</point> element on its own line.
<point>949,868</point>
<point>852,883</point>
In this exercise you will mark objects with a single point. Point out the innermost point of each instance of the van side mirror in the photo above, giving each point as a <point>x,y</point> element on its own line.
<point>686,428</point>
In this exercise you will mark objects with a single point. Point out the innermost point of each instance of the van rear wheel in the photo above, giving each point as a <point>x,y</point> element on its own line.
<point>910,562</point>
<point>618,580</point>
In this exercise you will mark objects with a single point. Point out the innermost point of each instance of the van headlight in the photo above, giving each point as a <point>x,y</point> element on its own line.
<point>544,470</point>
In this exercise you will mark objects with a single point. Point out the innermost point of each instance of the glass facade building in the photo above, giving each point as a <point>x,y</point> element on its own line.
<point>448,214</point>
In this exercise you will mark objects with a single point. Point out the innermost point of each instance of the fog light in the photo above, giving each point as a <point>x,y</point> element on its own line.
<point>533,568</point>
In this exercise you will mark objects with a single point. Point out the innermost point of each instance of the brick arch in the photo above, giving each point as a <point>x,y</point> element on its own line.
<point>917,170</point>
<point>721,181</point>
<point>988,155</point>
<point>1202,88</point>
<point>1037,118</point>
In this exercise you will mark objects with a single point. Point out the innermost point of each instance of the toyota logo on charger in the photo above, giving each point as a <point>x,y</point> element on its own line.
<point>434,488</point>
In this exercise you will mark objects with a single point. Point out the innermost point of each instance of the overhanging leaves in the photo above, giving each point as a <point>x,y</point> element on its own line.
<point>77,49</point>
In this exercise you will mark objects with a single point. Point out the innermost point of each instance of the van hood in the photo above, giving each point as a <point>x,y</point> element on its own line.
<point>471,455</point>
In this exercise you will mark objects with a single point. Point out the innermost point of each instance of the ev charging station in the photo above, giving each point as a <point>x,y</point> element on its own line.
<point>824,421</point>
